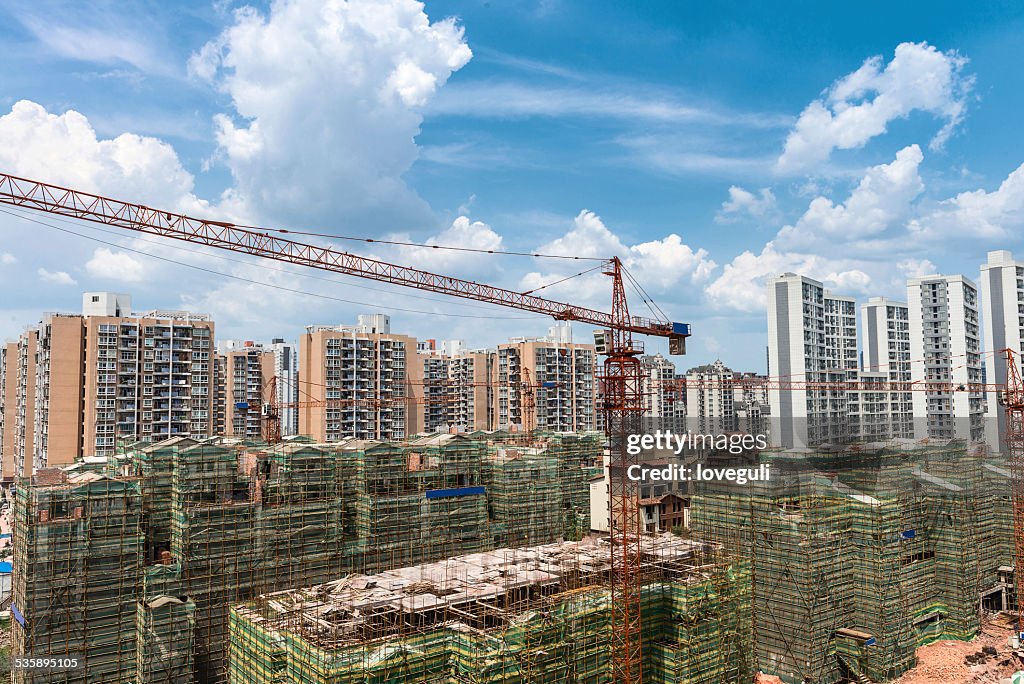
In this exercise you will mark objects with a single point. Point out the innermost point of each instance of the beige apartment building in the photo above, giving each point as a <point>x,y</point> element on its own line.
<point>84,381</point>
<point>562,373</point>
<point>243,374</point>
<point>367,382</point>
<point>359,381</point>
<point>474,381</point>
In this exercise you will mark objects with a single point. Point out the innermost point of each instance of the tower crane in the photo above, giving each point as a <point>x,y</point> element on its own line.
<point>622,403</point>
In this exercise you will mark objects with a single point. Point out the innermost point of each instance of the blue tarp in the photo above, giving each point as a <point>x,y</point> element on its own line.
<point>17,615</point>
<point>5,567</point>
<point>461,491</point>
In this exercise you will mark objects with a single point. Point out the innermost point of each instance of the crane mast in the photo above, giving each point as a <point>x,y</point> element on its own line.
<point>621,402</point>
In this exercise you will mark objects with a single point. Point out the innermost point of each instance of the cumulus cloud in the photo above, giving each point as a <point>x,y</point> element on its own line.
<point>742,285</point>
<point>881,200</point>
<point>916,268</point>
<point>661,264</point>
<point>743,204</point>
<point>860,106</point>
<point>977,213</point>
<point>7,258</point>
<point>63,149</point>
<point>55,277</point>
<point>832,241</point>
<point>853,281</point>
<point>462,232</point>
<point>106,263</point>
<point>328,98</point>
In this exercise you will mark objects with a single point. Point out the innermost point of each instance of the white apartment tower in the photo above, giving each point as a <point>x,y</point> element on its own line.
<point>710,399</point>
<point>286,369</point>
<point>945,347</point>
<point>1002,308</point>
<point>812,337</point>
<point>664,402</point>
<point>885,331</point>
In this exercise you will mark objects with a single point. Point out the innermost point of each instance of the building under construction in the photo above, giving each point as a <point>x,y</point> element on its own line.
<point>534,614</point>
<point>862,555</point>
<point>131,563</point>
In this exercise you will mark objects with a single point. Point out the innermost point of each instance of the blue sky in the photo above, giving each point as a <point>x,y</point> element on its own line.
<point>709,145</point>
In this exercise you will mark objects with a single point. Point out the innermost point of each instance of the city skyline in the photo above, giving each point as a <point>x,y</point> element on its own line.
<point>751,147</point>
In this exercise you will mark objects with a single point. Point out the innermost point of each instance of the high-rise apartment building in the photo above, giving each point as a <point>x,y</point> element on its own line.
<point>710,399</point>
<point>945,347</point>
<point>885,331</point>
<point>8,408</point>
<point>473,377</point>
<point>286,370</point>
<point>245,369</point>
<point>359,381</point>
<point>562,373</point>
<point>83,381</point>
<point>750,401</point>
<point>1002,309</point>
<point>812,338</point>
<point>436,388</point>
<point>664,400</point>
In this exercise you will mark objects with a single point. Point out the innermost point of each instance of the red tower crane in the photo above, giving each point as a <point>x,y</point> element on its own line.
<point>622,403</point>
<point>1013,405</point>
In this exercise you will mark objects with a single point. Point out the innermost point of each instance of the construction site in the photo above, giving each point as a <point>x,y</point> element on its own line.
<point>133,561</point>
<point>470,557</point>
<point>862,555</point>
<point>464,558</point>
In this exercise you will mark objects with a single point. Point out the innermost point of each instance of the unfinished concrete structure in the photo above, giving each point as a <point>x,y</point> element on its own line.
<point>534,614</point>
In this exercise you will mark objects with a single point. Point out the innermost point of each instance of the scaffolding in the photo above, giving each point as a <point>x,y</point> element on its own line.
<point>543,617</point>
<point>862,555</point>
<point>80,554</point>
<point>220,521</point>
<point>165,630</point>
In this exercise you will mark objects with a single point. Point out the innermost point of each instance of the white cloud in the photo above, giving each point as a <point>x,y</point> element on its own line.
<point>881,200</point>
<point>743,203</point>
<point>915,268</point>
<point>853,281</point>
<point>102,44</point>
<point>63,149</point>
<point>977,213</point>
<point>660,265</point>
<point>845,245</point>
<point>328,98</point>
<point>861,105</point>
<point>743,283</point>
<point>106,263</point>
<point>55,277</point>
<point>461,233</point>
<point>519,100</point>
<point>7,258</point>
